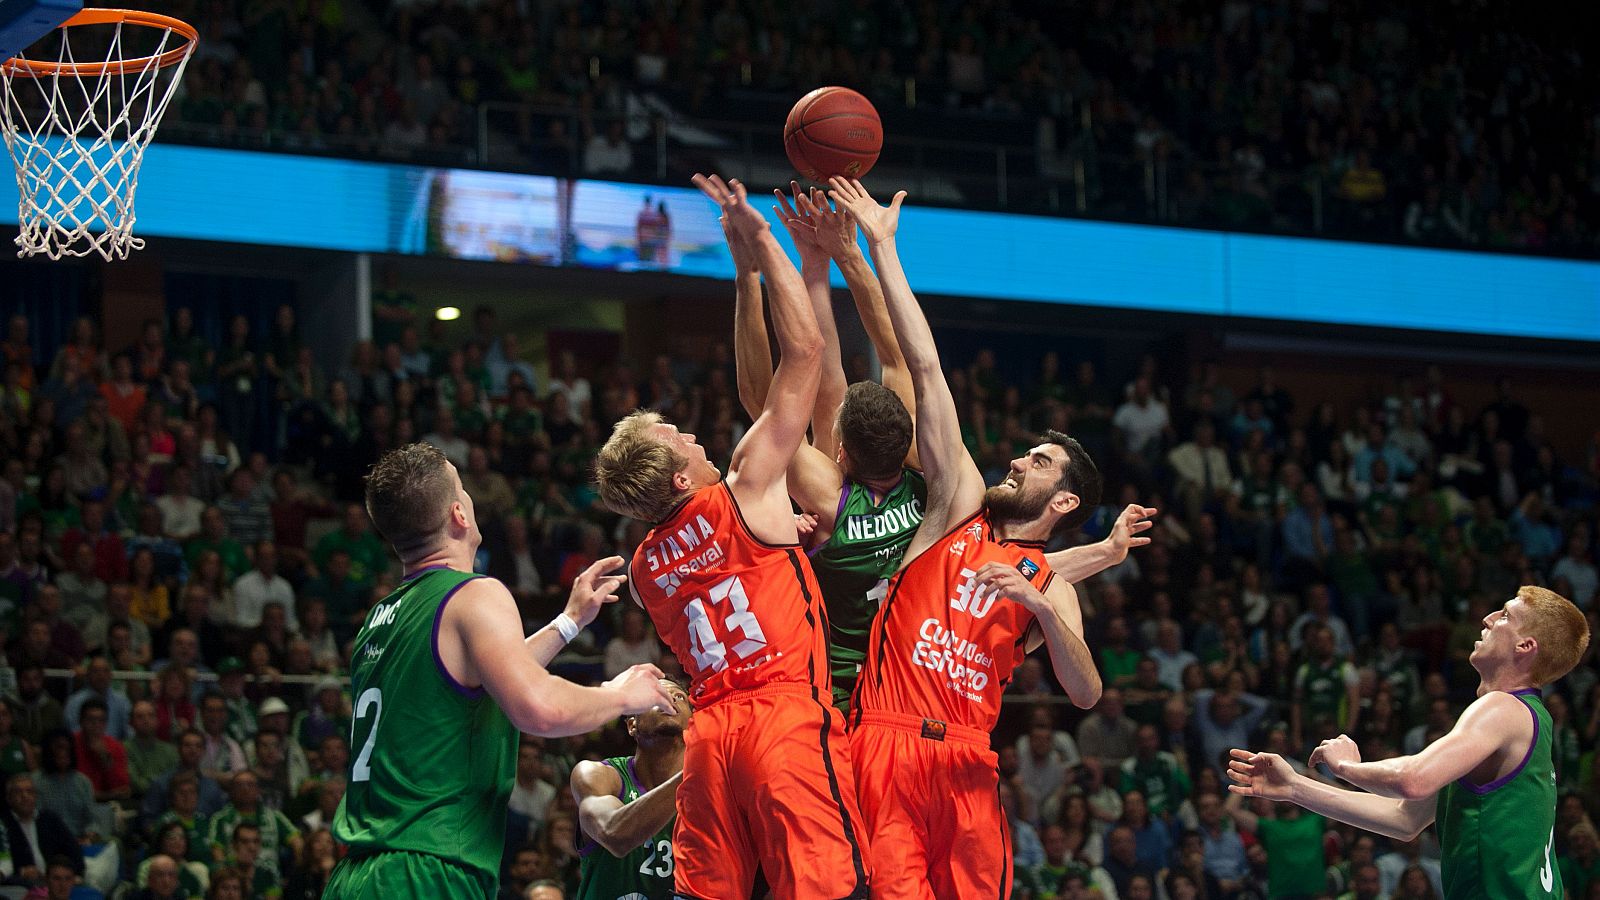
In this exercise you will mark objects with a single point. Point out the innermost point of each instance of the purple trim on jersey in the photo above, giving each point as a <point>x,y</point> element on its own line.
<point>844,496</point>
<point>438,661</point>
<point>1501,782</point>
<point>634,774</point>
<point>421,572</point>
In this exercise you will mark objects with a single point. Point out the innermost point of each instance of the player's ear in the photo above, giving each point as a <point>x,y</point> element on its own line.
<point>680,480</point>
<point>1064,502</point>
<point>458,514</point>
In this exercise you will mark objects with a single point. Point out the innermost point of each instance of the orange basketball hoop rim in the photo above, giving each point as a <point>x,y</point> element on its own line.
<point>33,68</point>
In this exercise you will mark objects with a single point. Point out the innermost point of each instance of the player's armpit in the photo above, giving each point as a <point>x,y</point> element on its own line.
<point>814,484</point>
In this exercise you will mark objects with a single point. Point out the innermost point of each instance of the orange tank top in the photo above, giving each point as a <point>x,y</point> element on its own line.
<point>941,647</point>
<point>739,613</point>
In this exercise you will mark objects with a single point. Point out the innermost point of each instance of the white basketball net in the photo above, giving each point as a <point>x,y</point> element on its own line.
<point>77,137</point>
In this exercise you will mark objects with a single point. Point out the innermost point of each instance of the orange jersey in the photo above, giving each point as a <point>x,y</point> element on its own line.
<point>739,613</point>
<point>942,648</point>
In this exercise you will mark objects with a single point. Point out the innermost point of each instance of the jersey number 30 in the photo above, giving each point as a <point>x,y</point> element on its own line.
<point>711,654</point>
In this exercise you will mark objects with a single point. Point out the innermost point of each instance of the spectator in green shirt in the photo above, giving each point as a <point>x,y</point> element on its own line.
<point>1293,841</point>
<point>214,536</point>
<point>148,755</point>
<point>1580,865</point>
<point>368,557</point>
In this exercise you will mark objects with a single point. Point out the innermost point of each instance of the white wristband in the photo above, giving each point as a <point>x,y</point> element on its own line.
<point>568,628</point>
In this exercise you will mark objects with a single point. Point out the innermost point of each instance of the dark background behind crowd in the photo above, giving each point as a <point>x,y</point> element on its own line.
<point>1456,122</point>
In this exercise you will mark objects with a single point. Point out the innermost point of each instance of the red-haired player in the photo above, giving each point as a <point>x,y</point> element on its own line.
<point>973,595</point>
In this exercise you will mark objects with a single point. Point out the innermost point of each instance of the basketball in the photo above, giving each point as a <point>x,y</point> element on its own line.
<point>833,131</point>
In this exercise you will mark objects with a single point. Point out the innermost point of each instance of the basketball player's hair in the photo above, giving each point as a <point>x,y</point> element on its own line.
<point>1560,628</point>
<point>875,429</point>
<point>634,469</point>
<point>1079,476</point>
<point>409,493</point>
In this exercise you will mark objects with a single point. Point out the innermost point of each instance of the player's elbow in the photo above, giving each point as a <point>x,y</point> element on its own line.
<point>1087,695</point>
<point>805,349</point>
<point>1414,787</point>
<point>616,844</point>
<point>540,718</point>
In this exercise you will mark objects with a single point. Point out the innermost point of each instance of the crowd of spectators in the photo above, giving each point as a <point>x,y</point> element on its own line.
<point>180,523</point>
<point>1467,126</point>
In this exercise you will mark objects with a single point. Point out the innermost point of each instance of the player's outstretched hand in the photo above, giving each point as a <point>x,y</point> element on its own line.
<point>1009,583</point>
<point>593,589</point>
<point>735,202</point>
<point>1335,752</point>
<point>836,229</point>
<point>641,690</point>
<point>1260,775</point>
<point>878,223</point>
<point>797,219</point>
<point>1126,532</point>
<point>805,524</point>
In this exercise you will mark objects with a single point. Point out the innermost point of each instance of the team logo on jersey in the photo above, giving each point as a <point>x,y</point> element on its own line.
<point>958,548</point>
<point>1028,568</point>
<point>669,583</point>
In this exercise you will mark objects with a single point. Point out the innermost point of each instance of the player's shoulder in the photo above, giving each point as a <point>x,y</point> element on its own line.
<point>595,778</point>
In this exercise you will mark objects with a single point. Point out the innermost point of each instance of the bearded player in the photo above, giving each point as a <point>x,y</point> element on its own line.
<point>860,478</point>
<point>626,805</point>
<point>767,780</point>
<point>972,596</point>
<point>443,681</point>
<point>1490,783</point>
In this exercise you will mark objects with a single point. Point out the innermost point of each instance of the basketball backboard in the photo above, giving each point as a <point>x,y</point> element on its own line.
<point>24,21</point>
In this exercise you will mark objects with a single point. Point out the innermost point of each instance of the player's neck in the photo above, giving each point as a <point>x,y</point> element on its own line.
<point>1507,680</point>
<point>451,556</point>
<point>656,763</point>
<point>1032,530</point>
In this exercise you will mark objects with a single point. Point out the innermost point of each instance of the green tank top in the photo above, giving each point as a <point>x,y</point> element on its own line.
<point>432,762</point>
<point>644,874</point>
<point>1497,842</point>
<point>1325,695</point>
<point>869,538</point>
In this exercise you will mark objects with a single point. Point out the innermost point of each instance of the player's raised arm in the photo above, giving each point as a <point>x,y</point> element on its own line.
<point>1270,775</point>
<point>1060,627</point>
<point>591,590</point>
<point>756,473</point>
<point>752,354</point>
<point>620,827</point>
<point>1494,722</point>
<point>836,234</point>
<point>797,218</point>
<point>1074,564</point>
<point>480,642</point>
<point>955,486</point>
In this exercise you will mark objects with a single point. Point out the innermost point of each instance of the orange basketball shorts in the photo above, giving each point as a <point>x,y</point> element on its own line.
<point>930,794</point>
<point>767,784</point>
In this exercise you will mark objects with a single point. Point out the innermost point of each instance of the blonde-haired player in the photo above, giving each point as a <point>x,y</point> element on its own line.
<point>767,781</point>
<point>1489,783</point>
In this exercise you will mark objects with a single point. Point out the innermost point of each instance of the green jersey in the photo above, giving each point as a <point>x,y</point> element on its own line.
<point>644,874</point>
<point>870,536</point>
<point>433,761</point>
<point>1323,688</point>
<point>1498,840</point>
